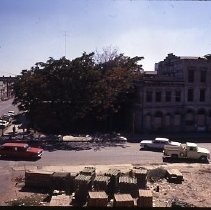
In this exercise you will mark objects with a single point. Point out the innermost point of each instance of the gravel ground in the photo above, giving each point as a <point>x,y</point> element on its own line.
<point>195,190</point>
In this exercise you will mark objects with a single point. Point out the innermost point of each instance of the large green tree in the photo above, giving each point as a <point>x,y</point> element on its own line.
<point>81,93</point>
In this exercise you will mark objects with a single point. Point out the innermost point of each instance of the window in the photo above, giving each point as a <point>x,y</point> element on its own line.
<point>192,149</point>
<point>168,96</point>
<point>190,94</point>
<point>158,96</point>
<point>190,75</point>
<point>149,96</point>
<point>203,76</point>
<point>178,96</point>
<point>202,95</point>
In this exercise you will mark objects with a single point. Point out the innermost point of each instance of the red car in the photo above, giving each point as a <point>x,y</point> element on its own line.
<point>20,150</point>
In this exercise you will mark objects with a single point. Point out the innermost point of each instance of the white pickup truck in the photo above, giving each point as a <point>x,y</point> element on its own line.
<point>186,151</point>
<point>157,143</point>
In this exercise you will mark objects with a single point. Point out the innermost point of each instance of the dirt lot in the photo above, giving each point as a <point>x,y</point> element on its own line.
<point>194,190</point>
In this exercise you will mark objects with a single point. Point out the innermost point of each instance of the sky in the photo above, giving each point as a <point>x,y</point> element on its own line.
<point>31,31</point>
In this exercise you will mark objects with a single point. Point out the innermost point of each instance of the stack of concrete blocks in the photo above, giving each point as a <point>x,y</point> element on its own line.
<point>101,183</point>
<point>89,171</point>
<point>141,176</point>
<point>38,179</point>
<point>174,175</point>
<point>145,198</point>
<point>60,200</point>
<point>97,199</point>
<point>83,184</point>
<point>72,184</point>
<point>114,175</point>
<point>123,200</point>
<point>128,185</point>
<point>61,181</point>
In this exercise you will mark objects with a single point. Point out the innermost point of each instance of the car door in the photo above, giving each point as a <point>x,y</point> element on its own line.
<point>21,152</point>
<point>192,152</point>
<point>156,144</point>
<point>8,151</point>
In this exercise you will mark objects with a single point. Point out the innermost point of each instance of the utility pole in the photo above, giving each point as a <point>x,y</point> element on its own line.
<point>65,36</point>
<point>65,42</point>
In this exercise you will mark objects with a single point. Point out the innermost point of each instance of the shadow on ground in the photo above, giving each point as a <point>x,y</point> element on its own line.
<point>151,149</point>
<point>19,159</point>
<point>170,160</point>
<point>52,143</point>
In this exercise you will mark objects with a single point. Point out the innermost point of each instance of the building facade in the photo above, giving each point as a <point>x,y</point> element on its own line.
<point>6,87</point>
<point>177,97</point>
<point>3,90</point>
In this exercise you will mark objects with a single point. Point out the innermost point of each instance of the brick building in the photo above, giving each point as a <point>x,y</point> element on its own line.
<point>176,97</point>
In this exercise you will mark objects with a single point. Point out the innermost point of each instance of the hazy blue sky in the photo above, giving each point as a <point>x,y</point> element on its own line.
<point>33,30</point>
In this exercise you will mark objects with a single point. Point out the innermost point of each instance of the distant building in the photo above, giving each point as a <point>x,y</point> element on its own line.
<point>3,89</point>
<point>175,98</point>
<point>6,89</point>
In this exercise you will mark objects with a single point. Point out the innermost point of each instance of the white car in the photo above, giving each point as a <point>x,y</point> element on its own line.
<point>11,113</point>
<point>157,143</point>
<point>4,123</point>
<point>7,117</point>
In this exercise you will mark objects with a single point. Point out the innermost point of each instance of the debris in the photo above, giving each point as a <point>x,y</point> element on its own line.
<point>156,174</point>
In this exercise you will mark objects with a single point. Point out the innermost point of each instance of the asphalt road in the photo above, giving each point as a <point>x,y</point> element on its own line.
<point>128,153</point>
<point>5,106</point>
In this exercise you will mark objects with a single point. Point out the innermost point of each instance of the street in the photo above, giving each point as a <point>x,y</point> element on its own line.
<point>5,106</point>
<point>128,153</point>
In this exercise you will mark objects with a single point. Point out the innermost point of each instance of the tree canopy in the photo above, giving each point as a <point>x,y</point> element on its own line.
<point>81,93</point>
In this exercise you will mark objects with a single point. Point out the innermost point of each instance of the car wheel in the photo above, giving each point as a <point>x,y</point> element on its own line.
<point>174,156</point>
<point>146,147</point>
<point>203,159</point>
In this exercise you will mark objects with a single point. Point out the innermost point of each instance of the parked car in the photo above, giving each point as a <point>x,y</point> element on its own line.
<point>3,123</point>
<point>11,113</point>
<point>20,150</point>
<point>157,143</point>
<point>7,117</point>
<point>186,151</point>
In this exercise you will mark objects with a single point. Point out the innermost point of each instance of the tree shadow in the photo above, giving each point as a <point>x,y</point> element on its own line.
<point>52,143</point>
<point>79,146</point>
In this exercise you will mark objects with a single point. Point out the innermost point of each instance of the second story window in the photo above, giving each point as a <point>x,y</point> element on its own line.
<point>149,96</point>
<point>190,95</point>
<point>203,76</point>
<point>178,96</point>
<point>190,75</point>
<point>202,95</point>
<point>168,96</point>
<point>158,96</point>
